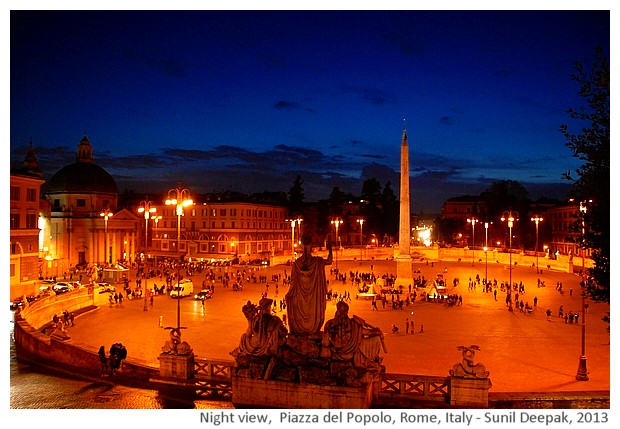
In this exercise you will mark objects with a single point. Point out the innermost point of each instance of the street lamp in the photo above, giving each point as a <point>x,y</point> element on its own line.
<point>147,208</point>
<point>510,217</point>
<point>299,221</point>
<point>292,221</point>
<point>582,370</point>
<point>180,198</point>
<point>473,222</point>
<point>486,253</point>
<point>337,222</point>
<point>105,213</point>
<point>536,219</point>
<point>361,222</point>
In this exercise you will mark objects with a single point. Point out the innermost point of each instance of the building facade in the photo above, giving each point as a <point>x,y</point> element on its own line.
<point>25,191</point>
<point>221,230</point>
<point>84,226</point>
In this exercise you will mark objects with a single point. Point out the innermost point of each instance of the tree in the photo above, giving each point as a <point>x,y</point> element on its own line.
<point>502,196</point>
<point>391,210</point>
<point>296,197</point>
<point>592,146</point>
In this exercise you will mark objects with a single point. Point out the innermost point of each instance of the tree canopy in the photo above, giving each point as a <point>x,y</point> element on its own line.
<point>592,180</point>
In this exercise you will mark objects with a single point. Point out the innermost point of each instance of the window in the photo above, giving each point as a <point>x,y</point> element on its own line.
<point>14,220</point>
<point>212,224</point>
<point>31,195</point>
<point>31,220</point>
<point>213,212</point>
<point>81,202</point>
<point>222,212</point>
<point>14,193</point>
<point>233,224</point>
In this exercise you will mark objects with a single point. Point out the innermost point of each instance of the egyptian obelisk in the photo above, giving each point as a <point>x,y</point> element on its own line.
<point>404,271</point>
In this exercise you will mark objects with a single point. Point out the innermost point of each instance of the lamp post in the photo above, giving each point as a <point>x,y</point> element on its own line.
<point>582,370</point>
<point>473,222</point>
<point>292,221</point>
<point>147,208</point>
<point>299,221</point>
<point>337,222</point>
<point>361,222</point>
<point>510,217</point>
<point>156,219</point>
<point>106,214</point>
<point>180,198</point>
<point>536,219</point>
<point>486,253</point>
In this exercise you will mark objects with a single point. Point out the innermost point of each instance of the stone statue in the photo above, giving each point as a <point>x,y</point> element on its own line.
<point>265,333</point>
<point>175,346</point>
<point>352,339</point>
<point>306,299</point>
<point>467,368</point>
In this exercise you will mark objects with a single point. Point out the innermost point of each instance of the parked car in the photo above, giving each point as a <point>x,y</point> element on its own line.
<point>61,287</point>
<point>106,287</point>
<point>17,302</point>
<point>76,285</point>
<point>203,294</point>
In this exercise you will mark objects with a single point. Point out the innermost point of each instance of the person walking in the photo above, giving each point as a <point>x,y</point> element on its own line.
<point>406,326</point>
<point>548,315</point>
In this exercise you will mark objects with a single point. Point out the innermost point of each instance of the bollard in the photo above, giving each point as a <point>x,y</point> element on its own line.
<point>161,321</point>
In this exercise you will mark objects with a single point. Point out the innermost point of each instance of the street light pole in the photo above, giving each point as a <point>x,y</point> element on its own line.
<point>510,217</point>
<point>473,222</point>
<point>486,253</point>
<point>147,208</point>
<point>337,222</point>
<point>582,370</point>
<point>537,219</point>
<point>105,213</point>
<point>292,221</point>
<point>361,222</point>
<point>180,198</point>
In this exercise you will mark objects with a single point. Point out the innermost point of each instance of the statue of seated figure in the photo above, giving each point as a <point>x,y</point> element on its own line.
<point>265,332</point>
<point>352,339</point>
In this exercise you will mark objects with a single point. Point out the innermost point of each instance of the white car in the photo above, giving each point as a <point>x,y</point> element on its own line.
<point>106,287</point>
<point>61,287</point>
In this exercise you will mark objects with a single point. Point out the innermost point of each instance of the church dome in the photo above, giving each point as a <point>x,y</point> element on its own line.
<point>83,176</point>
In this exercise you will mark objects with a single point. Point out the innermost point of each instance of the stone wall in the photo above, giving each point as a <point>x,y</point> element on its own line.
<point>34,346</point>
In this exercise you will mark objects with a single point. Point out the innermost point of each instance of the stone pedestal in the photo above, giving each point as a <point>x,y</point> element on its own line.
<point>279,394</point>
<point>469,392</point>
<point>404,271</point>
<point>179,367</point>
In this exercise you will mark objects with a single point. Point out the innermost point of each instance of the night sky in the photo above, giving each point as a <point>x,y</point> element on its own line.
<point>247,100</point>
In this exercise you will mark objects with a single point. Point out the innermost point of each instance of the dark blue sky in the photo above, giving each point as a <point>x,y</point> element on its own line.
<point>245,101</point>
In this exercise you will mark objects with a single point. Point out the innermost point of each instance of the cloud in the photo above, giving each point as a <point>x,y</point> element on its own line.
<point>169,66</point>
<point>373,96</point>
<point>404,41</point>
<point>446,120</point>
<point>290,105</point>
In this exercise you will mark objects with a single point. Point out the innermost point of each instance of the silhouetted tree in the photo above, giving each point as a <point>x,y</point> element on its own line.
<point>296,197</point>
<point>391,210</point>
<point>592,146</point>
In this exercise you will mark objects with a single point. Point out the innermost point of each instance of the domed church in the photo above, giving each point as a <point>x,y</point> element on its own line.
<point>84,225</point>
